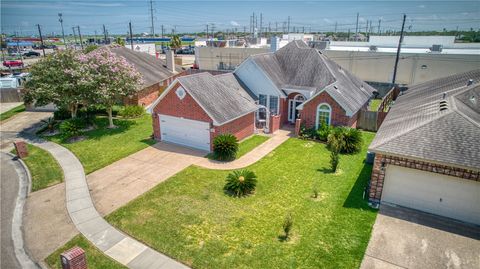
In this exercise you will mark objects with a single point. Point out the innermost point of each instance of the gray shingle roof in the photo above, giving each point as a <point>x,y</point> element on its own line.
<point>152,69</point>
<point>416,127</point>
<point>298,66</point>
<point>221,96</point>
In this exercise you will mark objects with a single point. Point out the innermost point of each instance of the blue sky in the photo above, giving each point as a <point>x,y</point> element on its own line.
<point>191,16</point>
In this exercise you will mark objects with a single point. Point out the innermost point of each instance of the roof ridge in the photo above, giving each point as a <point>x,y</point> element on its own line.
<point>414,128</point>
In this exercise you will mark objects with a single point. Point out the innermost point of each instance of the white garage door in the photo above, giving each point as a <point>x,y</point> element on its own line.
<point>190,133</point>
<point>434,193</point>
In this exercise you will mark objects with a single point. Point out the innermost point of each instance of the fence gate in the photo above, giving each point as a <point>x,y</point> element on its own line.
<point>367,120</point>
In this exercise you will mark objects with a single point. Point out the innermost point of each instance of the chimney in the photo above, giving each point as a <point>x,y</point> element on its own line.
<point>170,60</point>
<point>470,82</point>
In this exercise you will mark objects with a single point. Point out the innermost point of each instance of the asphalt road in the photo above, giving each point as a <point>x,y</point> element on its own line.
<point>9,191</point>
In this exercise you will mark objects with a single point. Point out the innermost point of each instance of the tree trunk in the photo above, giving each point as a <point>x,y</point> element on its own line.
<point>73,110</point>
<point>110,118</point>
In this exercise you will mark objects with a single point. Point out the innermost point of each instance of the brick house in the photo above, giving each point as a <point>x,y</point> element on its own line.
<point>156,75</point>
<point>300,84</point>
<point>196,108</point>
<point>427,150</point>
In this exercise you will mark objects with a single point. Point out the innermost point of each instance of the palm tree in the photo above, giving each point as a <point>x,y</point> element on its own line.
<point>175,42</point>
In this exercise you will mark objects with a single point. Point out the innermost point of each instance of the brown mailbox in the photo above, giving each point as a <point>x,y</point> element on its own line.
<point>73,258</point>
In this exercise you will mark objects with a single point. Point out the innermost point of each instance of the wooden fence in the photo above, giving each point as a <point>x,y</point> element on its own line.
<point>10,95</point>
<point>372,120</point>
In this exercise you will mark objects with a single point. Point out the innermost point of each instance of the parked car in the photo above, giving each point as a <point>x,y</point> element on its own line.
<point>31,53</point>
<point>13,63</point>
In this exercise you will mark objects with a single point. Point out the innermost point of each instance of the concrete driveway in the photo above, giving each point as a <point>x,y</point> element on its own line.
<point>405,238</point>
<point>25,122</point>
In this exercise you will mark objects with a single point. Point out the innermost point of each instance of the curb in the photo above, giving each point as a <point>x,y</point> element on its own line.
<point>24,189</point>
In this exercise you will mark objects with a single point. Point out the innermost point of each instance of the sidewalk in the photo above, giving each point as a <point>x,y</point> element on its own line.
<point>88,221</point>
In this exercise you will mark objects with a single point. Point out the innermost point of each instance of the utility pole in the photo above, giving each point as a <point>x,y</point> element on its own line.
<point>162,30</point>
<point>151,18</point>
<point>288,25</point>
<point>379,22</point>
<point>398,50</point>
<point>213,30</point>
<point>261,24</point>
<point>95,38</point>
<point>207,33</point>
<point>335,28</point>
<point>104,34</point>
<point>74,36</point>
<point>80,35</point>
<point>61,23</point>
<point>131,35</point>
<point>41,39</point>
<point>356,28</point>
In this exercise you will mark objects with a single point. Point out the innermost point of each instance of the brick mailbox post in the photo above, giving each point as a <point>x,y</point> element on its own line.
<point>21,148</point>
<point>73,258</point>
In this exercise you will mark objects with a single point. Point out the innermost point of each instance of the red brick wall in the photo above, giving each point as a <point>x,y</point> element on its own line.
<point>241,127</point>
<point>338,116</point>
<point>172,105</point>
<point>378,173</point>
<point>283,109</point>
<point>274,123</point>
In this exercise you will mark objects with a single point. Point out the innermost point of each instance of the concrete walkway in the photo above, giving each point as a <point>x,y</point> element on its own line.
<point>251,157</point>
<point>4,107</point>
<point>90,223</point>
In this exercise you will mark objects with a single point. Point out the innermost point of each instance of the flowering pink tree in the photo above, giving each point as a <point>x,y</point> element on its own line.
<point>57,79</point>
<point>109,77</point>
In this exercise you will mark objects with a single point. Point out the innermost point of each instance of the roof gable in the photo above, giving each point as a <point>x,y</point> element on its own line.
<point>221,96</point>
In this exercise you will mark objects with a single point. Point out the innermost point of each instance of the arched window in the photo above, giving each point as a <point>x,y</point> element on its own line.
<point>299,97</point>
<point>324,113</point>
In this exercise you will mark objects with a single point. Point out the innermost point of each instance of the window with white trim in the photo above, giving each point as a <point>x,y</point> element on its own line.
<point>273,105</point>
<point>324,113</point>
<point>262,99</point>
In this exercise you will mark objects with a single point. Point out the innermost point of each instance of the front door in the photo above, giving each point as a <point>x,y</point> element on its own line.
<point>292,109</point>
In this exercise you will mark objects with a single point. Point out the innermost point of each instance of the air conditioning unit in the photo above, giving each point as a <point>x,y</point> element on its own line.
<point>319,45</point>
<point>436,48</point>
<point>373,48</point>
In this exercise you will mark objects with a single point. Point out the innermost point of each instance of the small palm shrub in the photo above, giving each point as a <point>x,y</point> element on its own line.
<point>49,124</point>
<point>323,131</point>
<point>132,111</point>
<point>72,127</point>
<point>287,225</point>
<point>240,183</point>
<point>352,141</point>
<point>225,147</point>
<point>335,139</point>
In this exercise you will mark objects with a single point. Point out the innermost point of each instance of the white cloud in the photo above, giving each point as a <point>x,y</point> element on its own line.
<point>327,20</point>
<point>234,23</point>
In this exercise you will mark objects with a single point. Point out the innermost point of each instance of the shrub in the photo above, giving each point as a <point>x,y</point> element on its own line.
<point>70,128</point>
<point>225,147</point>
<point>240,183</point>
<point>323,132</point>
<point>334,160</point>
<point>132,111</point>
<point>61,114</point>
<point>309,133</point>
<point>346,140</point>
<point>287,225</point>
<point>49,124</point>
<point>352,141</point>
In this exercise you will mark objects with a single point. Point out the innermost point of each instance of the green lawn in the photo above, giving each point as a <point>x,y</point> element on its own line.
<point>95,258</point>
<point>247,145</point>
<point>374,104</point>
<point>44,169</point>
<point>12,112</point>
<point>104,146</point>
<point>250,143</point>
<point>190,218</point>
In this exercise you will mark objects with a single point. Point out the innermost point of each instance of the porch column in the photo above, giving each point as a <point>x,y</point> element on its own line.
<point>298,122</point>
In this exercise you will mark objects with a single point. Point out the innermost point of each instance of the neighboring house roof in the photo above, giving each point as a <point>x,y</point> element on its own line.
<point>297,66</point>
<point>416,127</point>
<point>152,69</point>
<point>222,97</point>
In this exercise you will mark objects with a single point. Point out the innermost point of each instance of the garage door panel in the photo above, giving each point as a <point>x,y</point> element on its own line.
<point>434,193</point>
<point>191,133</point>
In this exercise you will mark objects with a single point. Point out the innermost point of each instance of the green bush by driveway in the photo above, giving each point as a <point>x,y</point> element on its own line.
<point>190,218</point>
<point>104,146</point>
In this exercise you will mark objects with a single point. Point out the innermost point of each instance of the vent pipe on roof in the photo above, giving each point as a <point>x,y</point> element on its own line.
<point>444,95</point>
<point>470,82</point>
